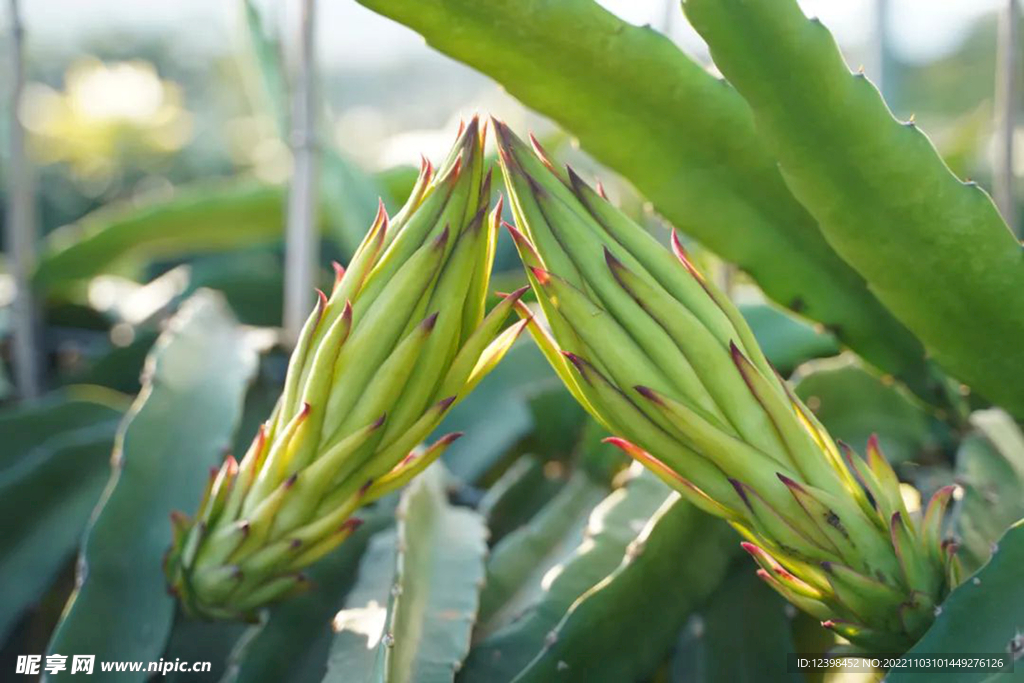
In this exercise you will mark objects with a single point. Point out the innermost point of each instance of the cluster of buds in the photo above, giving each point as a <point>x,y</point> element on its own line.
<point>667,364</point>
<point>402,337</point>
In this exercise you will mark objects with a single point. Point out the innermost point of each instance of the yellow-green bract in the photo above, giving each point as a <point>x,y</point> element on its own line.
<point>378,364</point>
<point>666,362</point>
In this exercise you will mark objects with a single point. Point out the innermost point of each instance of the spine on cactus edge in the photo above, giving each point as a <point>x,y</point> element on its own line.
<point>667,364</point>
<point>402,337</point>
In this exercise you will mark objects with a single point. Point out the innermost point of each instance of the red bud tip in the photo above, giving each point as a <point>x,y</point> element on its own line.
<point>424,164</point>
<point>428,323</point>
<point>827,566</point>
<point>339,272</point>
<point>365,487</point>
<point>752,549</point>
<point>351,524</point>
<point>543,276</point>
<point>449,439</point>
<point>680,251</point>
<point>741,490</point>
<point>462,128</point>
<point>231,465</point>
<point>441,240</point>
<point>214,471</point>
<point>321,300</point>
<point>538,149</point>
<point>444,403</point>
<point>244,527</point>
<point>601,191</point>
<point>575,360</point>
<point>829,624</point>
<point>873,443</point>
<point>485,188</point>
<point>306,409</point>
<point>761,573</point>
<point>405,461</point>
<point>516,295</point>
<point>625,446</point>
<point>790,483</point>
<point>290,481</point>
<point>456,168</point>
<point>380,421</point>
<point>649,394</point>
<point>499,207</point>
<point>179,518</point>
<point>295,543</point>
<point>346,312</point>
<point>613,263</point>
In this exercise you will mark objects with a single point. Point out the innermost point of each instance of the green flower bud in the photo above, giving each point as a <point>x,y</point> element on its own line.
<point>378,364</point>
<point>667,364</point>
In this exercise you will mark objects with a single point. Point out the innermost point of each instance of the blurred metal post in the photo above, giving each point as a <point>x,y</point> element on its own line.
<point>19,222</point>
<point>301,239</point>
<point>1006,112</point>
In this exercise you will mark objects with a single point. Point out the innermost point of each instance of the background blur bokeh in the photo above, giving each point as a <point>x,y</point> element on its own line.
<point>133,96</point>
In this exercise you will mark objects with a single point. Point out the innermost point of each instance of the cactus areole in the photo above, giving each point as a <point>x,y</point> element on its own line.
<point>665,361</point>
<point>402,337</point>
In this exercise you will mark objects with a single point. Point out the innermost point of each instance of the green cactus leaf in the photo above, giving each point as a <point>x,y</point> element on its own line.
<point>518,494</point>
<point>518,564</point>
<point>990,469</point>
<point>194,640</point>
<point>56,462</point>
<point>179,426</point>
<point>641,106</point>
<point>613,524</point>
<point>786,340</point>
<point>933,248</point>
<point>742,633</point>
<point>294,641</point>
<point>854,403</point>
<point>623,614</point>
<point>983,615</point>
<point>423,633</point>
<point>211,217</point>
<point>355,653</point>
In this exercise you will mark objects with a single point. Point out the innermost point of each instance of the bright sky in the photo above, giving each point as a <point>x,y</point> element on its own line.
<point>922,28</point>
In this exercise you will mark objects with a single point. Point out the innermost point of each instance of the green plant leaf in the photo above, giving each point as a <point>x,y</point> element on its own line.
<point>523,489</point>
<point>637,611</point>
<point>683,138</point>
<point>982,615</point>
<point>742,634</point>
<point>180,425</point>
<point>990,469</point>
<point>438,570</point>
<point>853,403</point>
<point>786,340</point>
<point>209,217</point>
<point>518,564</point>
<point>613,524</point>
<point>932,248</point>
<point>55,464</point>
